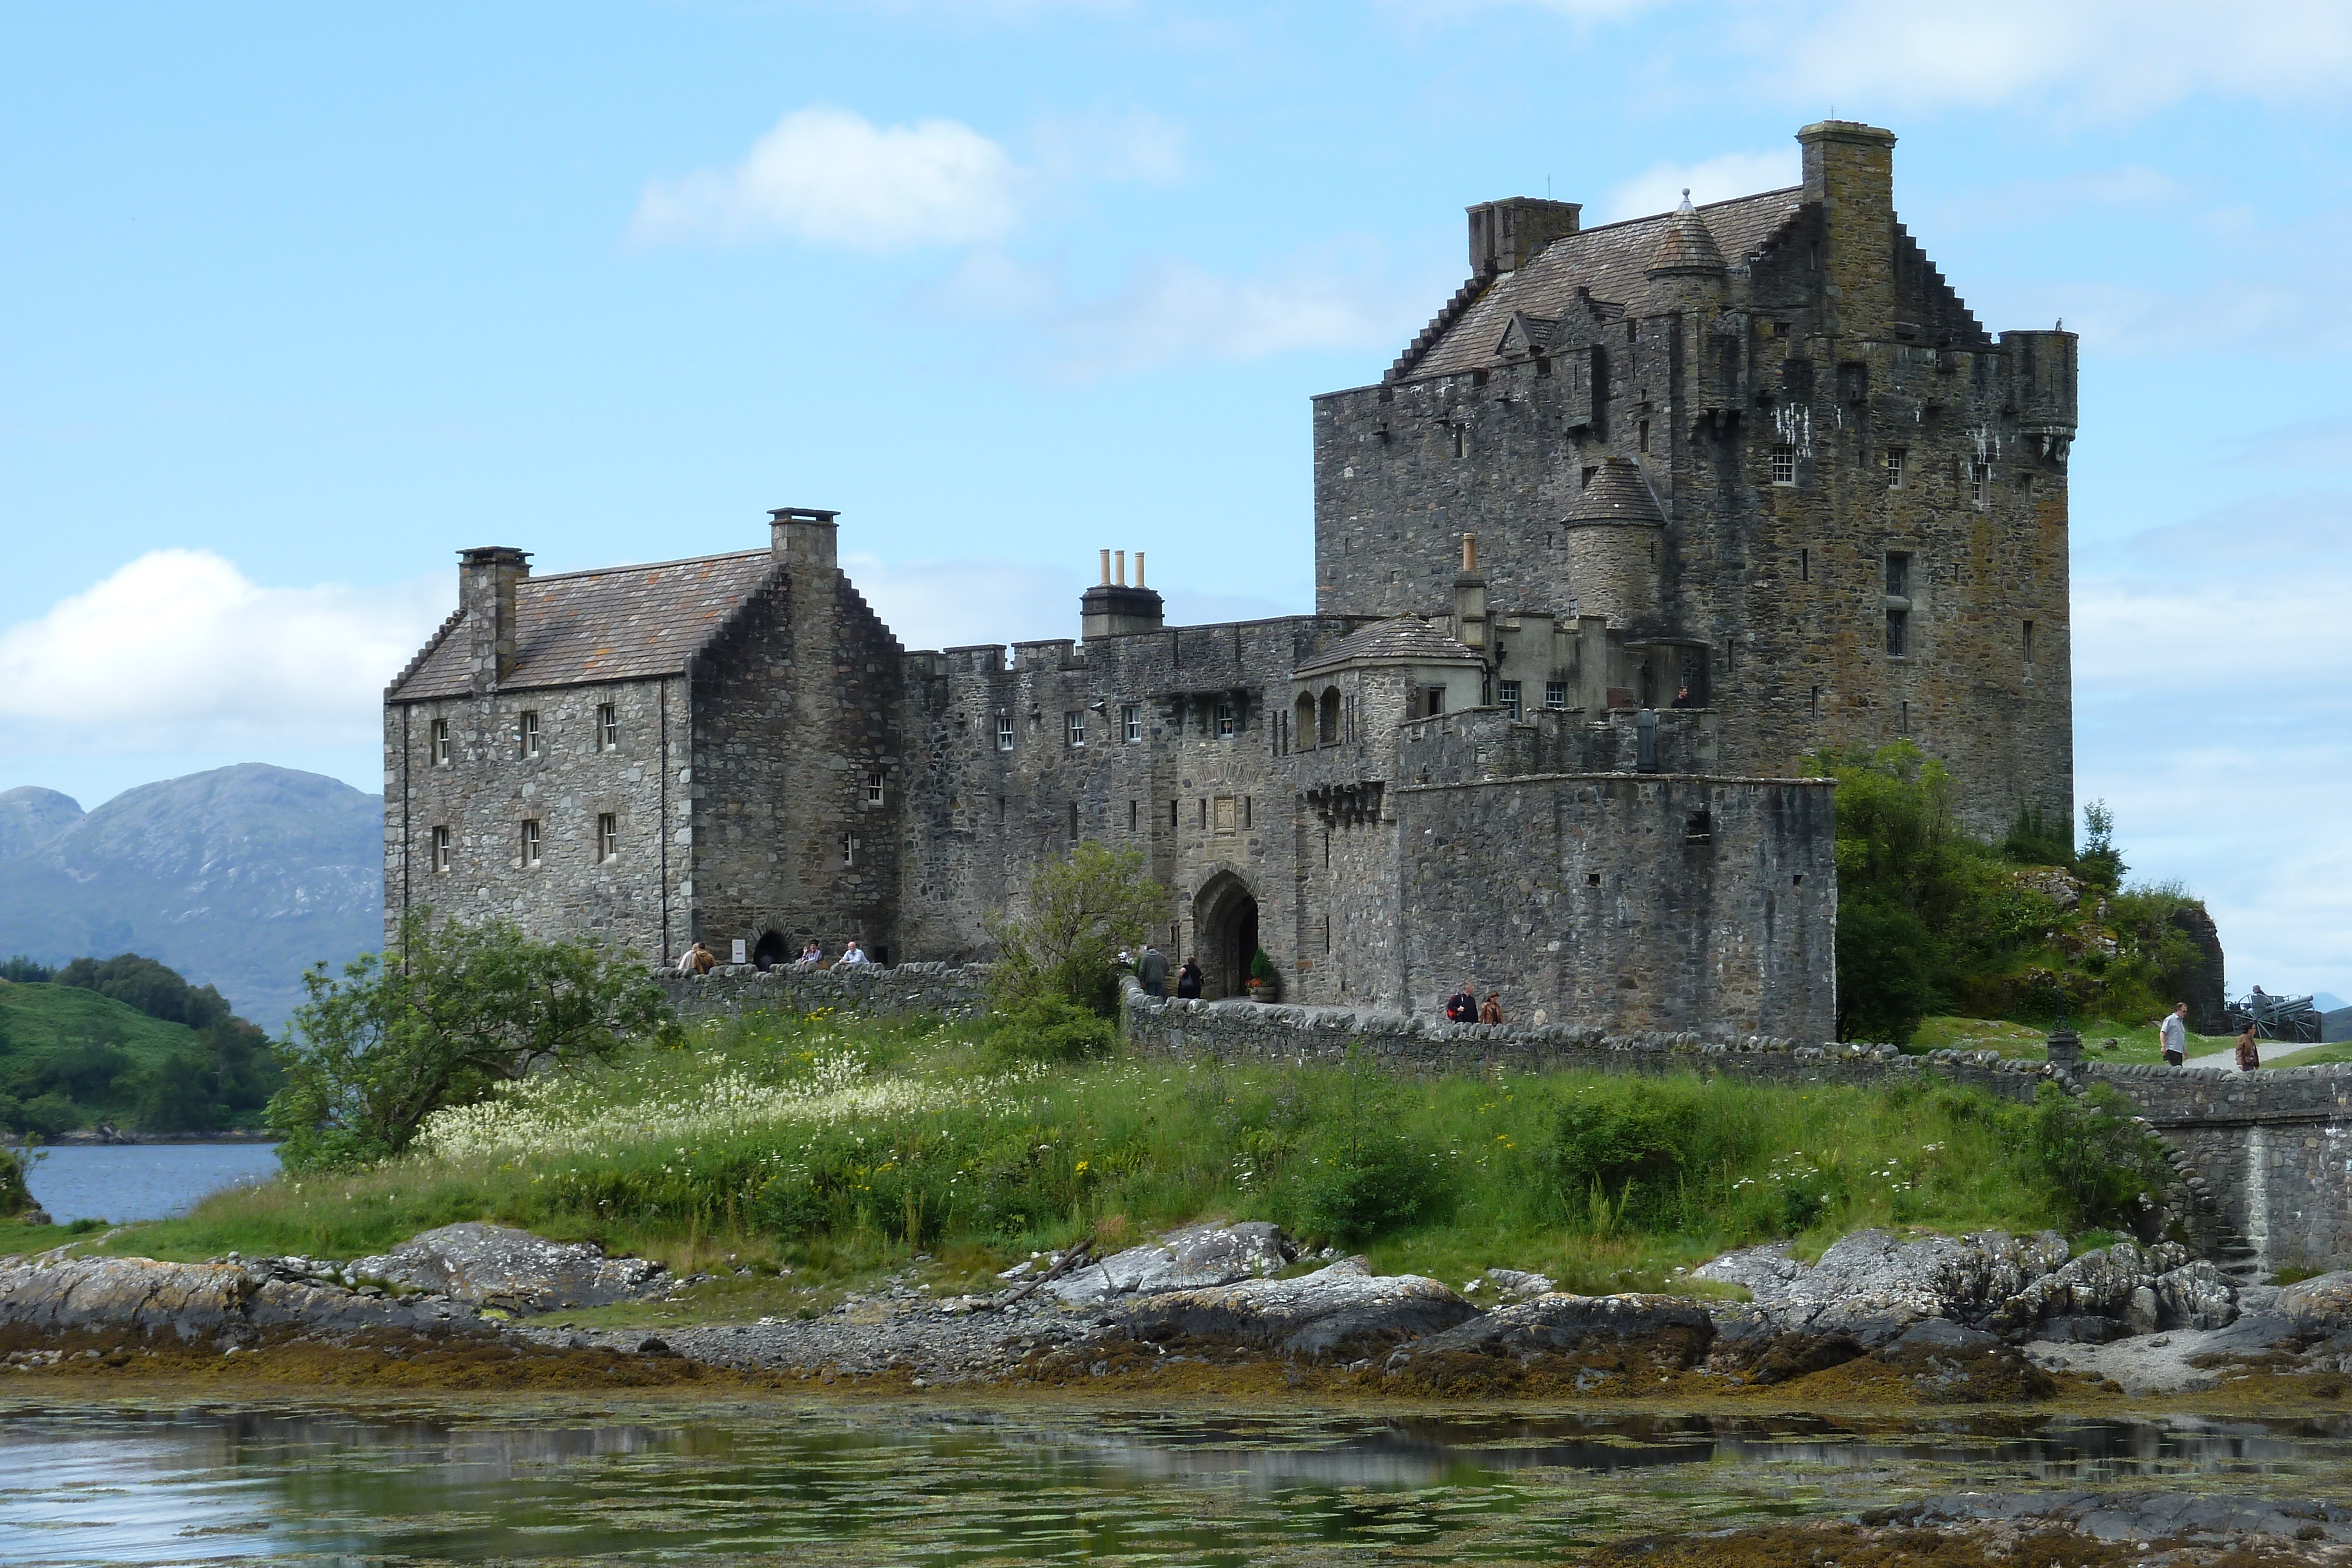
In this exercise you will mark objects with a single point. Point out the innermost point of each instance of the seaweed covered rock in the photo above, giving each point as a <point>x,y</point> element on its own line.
<point>2319,1307</point>
<point>1871,1286</point>
<point>498,1266</point>
<point>1342,1313</point>
<point>1580,1341</point>
<point>48,1298</point>
<point>1950,1365</point>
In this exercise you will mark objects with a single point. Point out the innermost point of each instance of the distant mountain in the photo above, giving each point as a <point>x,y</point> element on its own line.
<point>240,878</point>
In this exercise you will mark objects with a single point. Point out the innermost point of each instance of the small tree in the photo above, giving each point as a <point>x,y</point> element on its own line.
<point>2101,864</point>
<point>1065,941</point>
<point>449,1013</point>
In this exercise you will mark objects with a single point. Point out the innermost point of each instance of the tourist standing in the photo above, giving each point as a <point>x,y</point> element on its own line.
<point>1152,970</point>
<point>2248,1058</point>
<point>1188,979</point>
<point>1491,1011</point>
<point>2173,1035</point>
<point>1461,1007</point>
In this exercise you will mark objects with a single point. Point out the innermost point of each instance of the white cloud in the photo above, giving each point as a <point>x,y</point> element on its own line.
<point>827,176</point>
<point>178,649</point>
<point>1170,311</point>
<point>1659,188</point>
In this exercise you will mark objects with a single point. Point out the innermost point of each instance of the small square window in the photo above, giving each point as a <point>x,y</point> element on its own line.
<point>1506,697</point>
<point>1073,727</point>
<point>876,787</point>
<point>1898,633</point>
<point>442,856</point>
<point>608,727</point>
<point>1130,721</point>
<point>440,743</point>
<point>1555,693</point>
<point>1893,459</point>
<point>1224,718</point>
<point>529,843</point>
<point>608,838</point>
<point>1784,464</point>
<point>527,734</point>
<point>1003,730</point>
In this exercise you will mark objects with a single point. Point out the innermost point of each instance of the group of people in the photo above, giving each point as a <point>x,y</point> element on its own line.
<point>700,959</point>
<point>2172,1038</point>
<point>1151,973</point>
<point>1463,1006</point>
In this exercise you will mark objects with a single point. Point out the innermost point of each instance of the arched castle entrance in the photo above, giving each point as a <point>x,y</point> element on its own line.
<point>1225,933</point>
<point>773,949</point>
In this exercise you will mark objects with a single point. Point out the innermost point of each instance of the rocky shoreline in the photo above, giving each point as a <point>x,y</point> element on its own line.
<point>1935,1319</point>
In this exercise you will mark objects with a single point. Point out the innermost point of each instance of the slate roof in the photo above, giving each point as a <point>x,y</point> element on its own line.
<point>1687,245</point>
<point>1618,494</point>
<point>1407,639</point>
<point>615,623</point>
<point>1610,262</point>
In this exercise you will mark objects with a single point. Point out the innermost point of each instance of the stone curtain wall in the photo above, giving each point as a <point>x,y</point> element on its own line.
<point>733,989</point>
<point>2274,1148</point>
<point>1647,901</point>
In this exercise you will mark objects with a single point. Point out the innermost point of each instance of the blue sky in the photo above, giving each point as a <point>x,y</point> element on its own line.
<point>297,301</point>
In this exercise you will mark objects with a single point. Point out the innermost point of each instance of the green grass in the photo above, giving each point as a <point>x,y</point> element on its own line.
<point>2029,1043</point>
<point>40,1020</point>
<point>835,1148</point>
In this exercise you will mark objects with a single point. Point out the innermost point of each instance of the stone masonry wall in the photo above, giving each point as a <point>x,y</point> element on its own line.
<point>731,990</point>
<point>487,790</point>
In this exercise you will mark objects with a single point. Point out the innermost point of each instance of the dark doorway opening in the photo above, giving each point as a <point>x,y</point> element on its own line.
<point>770,951</point>
<point>1225,935</point>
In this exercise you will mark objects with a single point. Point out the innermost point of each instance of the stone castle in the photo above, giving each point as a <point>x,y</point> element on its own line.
<point>1646,516</point>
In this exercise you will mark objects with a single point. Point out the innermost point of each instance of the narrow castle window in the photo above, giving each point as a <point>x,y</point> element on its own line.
<point>1898,574</point>
<point>1327,725</point>
<point>440,743</point>
<point>1134,816</point>
<point>1804,565</point>
<point>1898,633</point>
<point>1173,806</point>
<point>1893,459</point>
<point>608,838</point>
<point>1224,718</point>
<point>1435,696</point>
<point>1131,718</point>
<point>1905,719</point>
<point>1245,811</point>
<point>1645,435</point>
<point>527,734</point>
<point>1506,697</point>
<point>1555,693</point>
<point>2029,642</point>
<point>441,851</point>
<point>849,848</point>
<point>1980,484</point>
<point>1073,821</point>
<point>1784,464</point>
<point>608,727</point>
<point>1003,730</point>
<point>1205,813</point>
<point>875,787</point>
<point>1073,727</point>
<point>529,843</point>
<point>1461,439</point>
<point>1816,699</point>
<point>1305,724</point>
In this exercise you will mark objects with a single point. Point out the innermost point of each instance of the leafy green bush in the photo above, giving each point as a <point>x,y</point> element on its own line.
<point>2094,1150</point>
<point>1063,940</point>
<point>1049,1028</point>
<point>15,1197</point>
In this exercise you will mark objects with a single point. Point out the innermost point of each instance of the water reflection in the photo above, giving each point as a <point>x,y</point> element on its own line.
<point>907,1484</point>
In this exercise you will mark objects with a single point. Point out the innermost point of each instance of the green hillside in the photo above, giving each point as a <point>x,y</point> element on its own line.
<point>73,1058</point>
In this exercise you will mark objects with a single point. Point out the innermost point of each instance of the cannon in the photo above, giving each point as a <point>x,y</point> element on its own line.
<point>2291,1019</point>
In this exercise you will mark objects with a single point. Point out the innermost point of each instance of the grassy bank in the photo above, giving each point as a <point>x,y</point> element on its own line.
<point>2104,1040</point>
<point>833,1147</point>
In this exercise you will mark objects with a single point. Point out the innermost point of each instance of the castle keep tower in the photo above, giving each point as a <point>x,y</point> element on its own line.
<point>1762,452</point>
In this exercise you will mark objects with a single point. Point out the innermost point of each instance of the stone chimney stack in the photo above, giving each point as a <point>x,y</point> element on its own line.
<point>1112,609</point>
<point>1850,172</point>
<point>1470,599</point>
<point>804,537</point>
<point>1505,235</point>
<point>488,579</point>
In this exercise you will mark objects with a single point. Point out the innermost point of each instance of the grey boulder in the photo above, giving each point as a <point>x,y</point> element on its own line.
<point>48,1297</point>
<point>498,1266</point>
<point>2319,1307</point>
<point>1872,1286</point>
<point>1344,1312</point>
<point>1632,1333</point>
<point>1193,1259</point>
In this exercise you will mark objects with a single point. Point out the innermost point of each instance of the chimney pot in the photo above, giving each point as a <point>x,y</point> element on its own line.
<point>487,581</point>
<point>803,536</point>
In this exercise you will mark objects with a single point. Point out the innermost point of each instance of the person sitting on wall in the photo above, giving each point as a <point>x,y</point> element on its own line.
<point>812,954</point>
<point>697,960</point>
<point>1461,1007</point>
<point>2172,1034</point>
<point>1491,1011</point>
<point>1188,981</point>
<point>1152,971</point>
<point>852,954</point>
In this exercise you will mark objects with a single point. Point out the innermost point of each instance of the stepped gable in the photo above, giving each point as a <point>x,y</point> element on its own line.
<point>1407,639</point>
<point>1618,494</point>
<point>610,624</point>
<point>1610,263</point>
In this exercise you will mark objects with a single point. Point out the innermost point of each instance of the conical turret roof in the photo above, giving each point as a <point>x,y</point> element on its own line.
<point>1686,244</point>
<point>1617,494</point>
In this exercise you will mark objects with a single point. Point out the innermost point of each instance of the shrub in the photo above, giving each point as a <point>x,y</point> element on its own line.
<point>2096,1152</point>
<point>1637,1153</point>
<point>1049,1028</point>
<point>1065,938</point>
<point>15,1197</point>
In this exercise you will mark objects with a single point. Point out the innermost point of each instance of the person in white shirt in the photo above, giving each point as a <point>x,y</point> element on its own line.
<point>2173,1035</point>
<point>852,954</point>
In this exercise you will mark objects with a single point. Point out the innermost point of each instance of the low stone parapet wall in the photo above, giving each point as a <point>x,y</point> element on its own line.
<point>905,988</point>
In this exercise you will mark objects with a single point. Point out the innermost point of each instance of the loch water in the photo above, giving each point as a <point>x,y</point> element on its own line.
<point>902,1482</point>
<point>126,1182</point>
